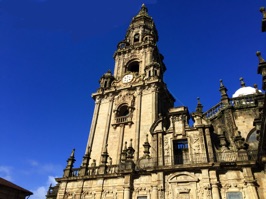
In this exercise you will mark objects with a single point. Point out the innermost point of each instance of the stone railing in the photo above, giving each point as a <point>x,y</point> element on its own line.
<point>92,171</point>
<point>237,102</point>
<point>214,110</point>
<point>75,172</point>
<point>122,119</point>
<point>244,101</point>
<point>229,156</point>
<point>190,158</point>
<point>239,156</point>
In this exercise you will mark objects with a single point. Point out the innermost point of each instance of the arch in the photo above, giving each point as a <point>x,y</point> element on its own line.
<point>252,139</point>
<point>133,67</point>
<point>182,177</point>
<point>251,135</point>
<point>123,110</point>
<point>136,38</point>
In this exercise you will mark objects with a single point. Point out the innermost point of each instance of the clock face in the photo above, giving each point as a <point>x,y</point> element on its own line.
<point>127,78</point>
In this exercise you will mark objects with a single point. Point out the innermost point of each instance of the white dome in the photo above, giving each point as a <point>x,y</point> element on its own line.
<point>244,91</point>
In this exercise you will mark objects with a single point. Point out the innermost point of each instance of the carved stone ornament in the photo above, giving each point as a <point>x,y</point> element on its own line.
<point>125,98</point>
<point>90,194</point>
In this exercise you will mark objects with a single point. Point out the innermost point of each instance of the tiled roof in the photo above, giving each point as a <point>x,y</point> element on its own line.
<point>6,183</point>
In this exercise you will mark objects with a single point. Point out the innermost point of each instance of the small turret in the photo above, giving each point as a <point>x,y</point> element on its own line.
<point>70,164</point>
<point>263,26</point>
<point>130,151</point>
<point>197,115</point>
<point>262,69</point>
<point>106,80</point>
<point>242,83</point>
<point>85,163</point>
<point>147,147</point>
<point>223,91</point>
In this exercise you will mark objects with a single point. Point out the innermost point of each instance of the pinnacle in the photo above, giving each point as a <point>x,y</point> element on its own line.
<point>261,60</point>
<point>242,82</point>
<point>143,10</point>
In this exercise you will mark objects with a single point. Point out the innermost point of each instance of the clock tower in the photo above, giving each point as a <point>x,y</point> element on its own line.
<point>129,101</point>
<point>141,147</point>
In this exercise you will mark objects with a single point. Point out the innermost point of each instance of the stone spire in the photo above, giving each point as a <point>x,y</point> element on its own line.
<point>147,147</point>
<point>223,91</point>
<point>130,150</point>
<point>197,115</point>
<point>70,164</point>
<point>199,106</point>
<point>142,24</point>
<point>85,163</point>
<point>143,11</point>
<point>124,153</point>
<point>242,83</point>
<point>262,69</point>
<point>263,27</point>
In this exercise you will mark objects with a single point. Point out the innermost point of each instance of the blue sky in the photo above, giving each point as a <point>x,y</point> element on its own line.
<point>53,52</point>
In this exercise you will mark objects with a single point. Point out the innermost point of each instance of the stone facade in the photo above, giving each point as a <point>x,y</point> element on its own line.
<point>141,146</point>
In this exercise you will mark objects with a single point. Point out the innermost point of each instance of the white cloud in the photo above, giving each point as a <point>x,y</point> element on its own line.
<point>5,172</point>
<point>51,180</point>
<point>33,163</point>
<point>41,191</point>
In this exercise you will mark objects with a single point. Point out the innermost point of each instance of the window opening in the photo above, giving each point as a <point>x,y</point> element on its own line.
<point>133,67</point>
<point>234,195</point>
<point>136,37</point>
<point>180,151</point>
<point>123,111</point>
<point>155,72</point>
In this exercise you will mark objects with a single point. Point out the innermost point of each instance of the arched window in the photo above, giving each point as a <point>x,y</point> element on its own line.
<point>123,110</point>
<point>133,67</point>
<point>136,37</point>
<point>252,139</point>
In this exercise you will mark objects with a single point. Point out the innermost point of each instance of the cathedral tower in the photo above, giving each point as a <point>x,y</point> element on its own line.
<point>130,100</point>
<point>141,147</point>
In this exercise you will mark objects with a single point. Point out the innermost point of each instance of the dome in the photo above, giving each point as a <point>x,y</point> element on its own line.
<point>245,91</point>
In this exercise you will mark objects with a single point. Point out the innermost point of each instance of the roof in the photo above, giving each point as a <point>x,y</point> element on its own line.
<point>245,91</point>
<point>6,183</point>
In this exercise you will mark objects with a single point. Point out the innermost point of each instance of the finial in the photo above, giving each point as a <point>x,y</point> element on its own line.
<point>221,83</point>
<point>105,148</point>
<point>261,60</point>
<point>256,87</point>
<point>130,144</point>
<point>72,153</point>
<point>262,9</point>
<point>198,99</point>
<point>125,147</point>
<point>242,82</point>
<point>143,10</point>
<point>199,106</point>
<point>147,138</point>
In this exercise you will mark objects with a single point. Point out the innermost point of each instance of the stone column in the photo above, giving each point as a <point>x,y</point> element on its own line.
<point>215,191</point>
<point>250,182</point>
<point>120,145</point>
<point>138,122</point>
<point>127,187</point>
<point>160,149</point>
<point>154,193</point>
<point>214,184</point>
<point>108,123</point>
<point>126,192</point>
<point>94,123</point>
<point>209,144</point>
